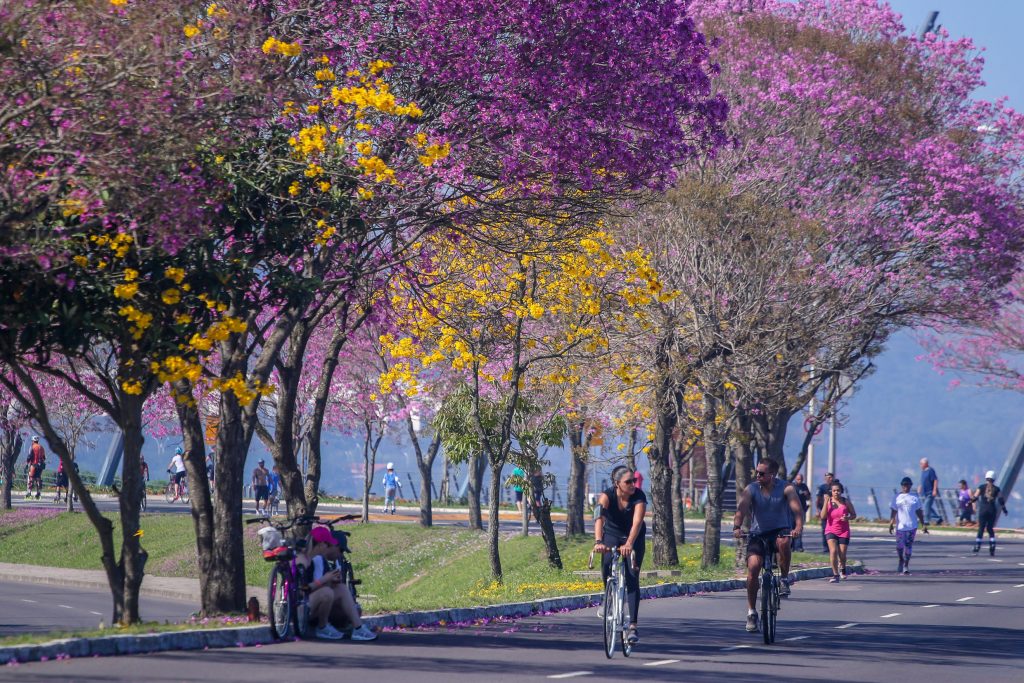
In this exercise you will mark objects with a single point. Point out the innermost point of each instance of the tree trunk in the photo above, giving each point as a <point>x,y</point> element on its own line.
<point>477,466</point>
<point>678,509</point>
<point>133,556</point>
<point>425,464</point>
<point>579,443</point>
<point>199,488</point>
<point>226,586</point>
<point>714,451</point>
<point>542,513</point>
<point>743,456</point>
<point>12,444</point>
<point>631,450</point>
<point>443,492</point>
<point>494,522</point>
<point>662,531</point>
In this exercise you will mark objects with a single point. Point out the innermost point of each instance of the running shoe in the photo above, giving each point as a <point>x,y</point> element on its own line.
<point>899,569</point>
<point>906,572</point>
<point>834,579</point>
<point>363,633</point>
<point>991,550</point>
<point>328,632</point>
<point>752,623</point>
<point>784,589</point>
<point>632,637</point>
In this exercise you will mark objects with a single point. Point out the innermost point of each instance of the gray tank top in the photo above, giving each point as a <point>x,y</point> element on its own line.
<point>769,512</point>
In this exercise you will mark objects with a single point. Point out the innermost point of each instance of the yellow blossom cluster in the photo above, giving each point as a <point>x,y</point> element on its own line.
<point>273,46</point>
<point>244,390</point>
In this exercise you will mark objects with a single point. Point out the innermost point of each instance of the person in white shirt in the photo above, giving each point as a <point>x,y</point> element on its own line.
<point>906,513</point>
<point>176,468</point>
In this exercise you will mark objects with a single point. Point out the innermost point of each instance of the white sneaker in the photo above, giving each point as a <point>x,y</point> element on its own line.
<point>328,632</point>
<point>363,633</point>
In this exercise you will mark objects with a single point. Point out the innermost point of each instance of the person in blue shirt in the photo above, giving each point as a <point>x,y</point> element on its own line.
<point>392,484</point>
<point>929,490</point>
<point>274,490</point>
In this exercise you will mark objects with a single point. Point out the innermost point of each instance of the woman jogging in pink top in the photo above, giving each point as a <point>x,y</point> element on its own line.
<point>837,512</point>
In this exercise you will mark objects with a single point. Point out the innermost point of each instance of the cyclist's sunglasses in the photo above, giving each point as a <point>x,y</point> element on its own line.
<point>627,481</point>
<point>760,473</point>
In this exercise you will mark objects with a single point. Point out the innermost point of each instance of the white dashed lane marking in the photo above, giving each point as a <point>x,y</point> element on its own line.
<point>24,600</point>
<point>923,606</point>
<point>1019,585</point>
<point>736,647</point>
<point>96,613</point>
<point>994,592</point>
<point>890,616</point>
<point>66,606</point>
<point>847,625</point>
<point>969,597</point>
<point>661,662</point>
<point>572,674</point>
<point>797,638</point>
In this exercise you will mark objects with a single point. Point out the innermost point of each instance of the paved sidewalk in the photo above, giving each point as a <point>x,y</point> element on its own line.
<point>177,588</point>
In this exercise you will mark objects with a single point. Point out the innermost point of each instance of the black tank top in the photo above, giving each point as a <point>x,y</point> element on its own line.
<point>988,500</point>
<point>618,521</point>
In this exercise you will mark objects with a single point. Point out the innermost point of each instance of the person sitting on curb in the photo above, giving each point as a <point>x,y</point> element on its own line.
<point>330,600</point>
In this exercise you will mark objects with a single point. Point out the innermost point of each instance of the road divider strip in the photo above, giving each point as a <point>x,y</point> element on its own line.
<point>105,646</point>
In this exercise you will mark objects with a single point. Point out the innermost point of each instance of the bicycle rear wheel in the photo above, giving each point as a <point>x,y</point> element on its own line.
<point>612,615</point>
<point>279,602</point>
<point>184,494</point>
<point>300,599</point>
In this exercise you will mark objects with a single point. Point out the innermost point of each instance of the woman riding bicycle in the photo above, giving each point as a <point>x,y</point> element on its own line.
<point>621,525</point>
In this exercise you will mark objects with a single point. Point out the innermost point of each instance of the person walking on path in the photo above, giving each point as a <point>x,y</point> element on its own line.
<point>905,514</point>
<point>964,503</point>
<point>392,484</point>
<point>819,503</point>
<point>804,492</point>
<point>517,488</point>
<point>773,508</point>
<point>261,487</point>
<point>36,465</point>
<point>837,513</point>
<point>176,468</point>
<point>929,490</point>
<point>988,497</point>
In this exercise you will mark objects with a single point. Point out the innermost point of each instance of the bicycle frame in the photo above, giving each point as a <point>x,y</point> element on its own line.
<point>770,594</point>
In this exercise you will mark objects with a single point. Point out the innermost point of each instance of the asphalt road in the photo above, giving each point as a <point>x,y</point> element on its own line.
<point>958,616</point>
<point>42,608</point>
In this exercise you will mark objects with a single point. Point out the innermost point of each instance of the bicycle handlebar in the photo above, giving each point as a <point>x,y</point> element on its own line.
<point>632,558</point>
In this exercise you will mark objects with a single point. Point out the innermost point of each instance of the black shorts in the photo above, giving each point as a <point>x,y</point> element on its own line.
<point>838,539</point>
<point>519,496</point>
<point>62,480</point>
<point>177,477</point>
<point>262,492</point>
<point>759,544</point>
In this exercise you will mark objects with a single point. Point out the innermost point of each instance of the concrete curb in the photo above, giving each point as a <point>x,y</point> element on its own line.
<point>105,646</point>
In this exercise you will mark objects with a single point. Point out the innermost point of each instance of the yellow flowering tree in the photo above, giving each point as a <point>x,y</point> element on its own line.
<point>517,320</point>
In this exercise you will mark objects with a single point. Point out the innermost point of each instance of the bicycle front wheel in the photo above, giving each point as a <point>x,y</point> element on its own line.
<point>184,495</point>
<point>612,614</point>
<point>279,602</point>
<point>169,493</point>
<point>624,616</point>
<point>768,608</point>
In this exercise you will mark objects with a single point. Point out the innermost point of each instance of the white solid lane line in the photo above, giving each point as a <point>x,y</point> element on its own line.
<point>661,662</point>
<point>797,638</point>
<point>923,606</point>
<point>847,625</point>
<point>994,592</point>
<point>969,597</point>
<point>736,647</point>
<point>890,616</point>
<point>572,674</point>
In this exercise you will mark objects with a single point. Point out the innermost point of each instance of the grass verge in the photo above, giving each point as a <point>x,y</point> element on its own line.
<point>403,567</point>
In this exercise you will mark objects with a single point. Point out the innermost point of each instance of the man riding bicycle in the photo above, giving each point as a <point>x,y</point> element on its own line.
<point>774,508</point>
<point>176,468</point>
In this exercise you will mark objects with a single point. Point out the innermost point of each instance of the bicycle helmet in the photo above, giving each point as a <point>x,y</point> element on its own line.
<point>179,451</point>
